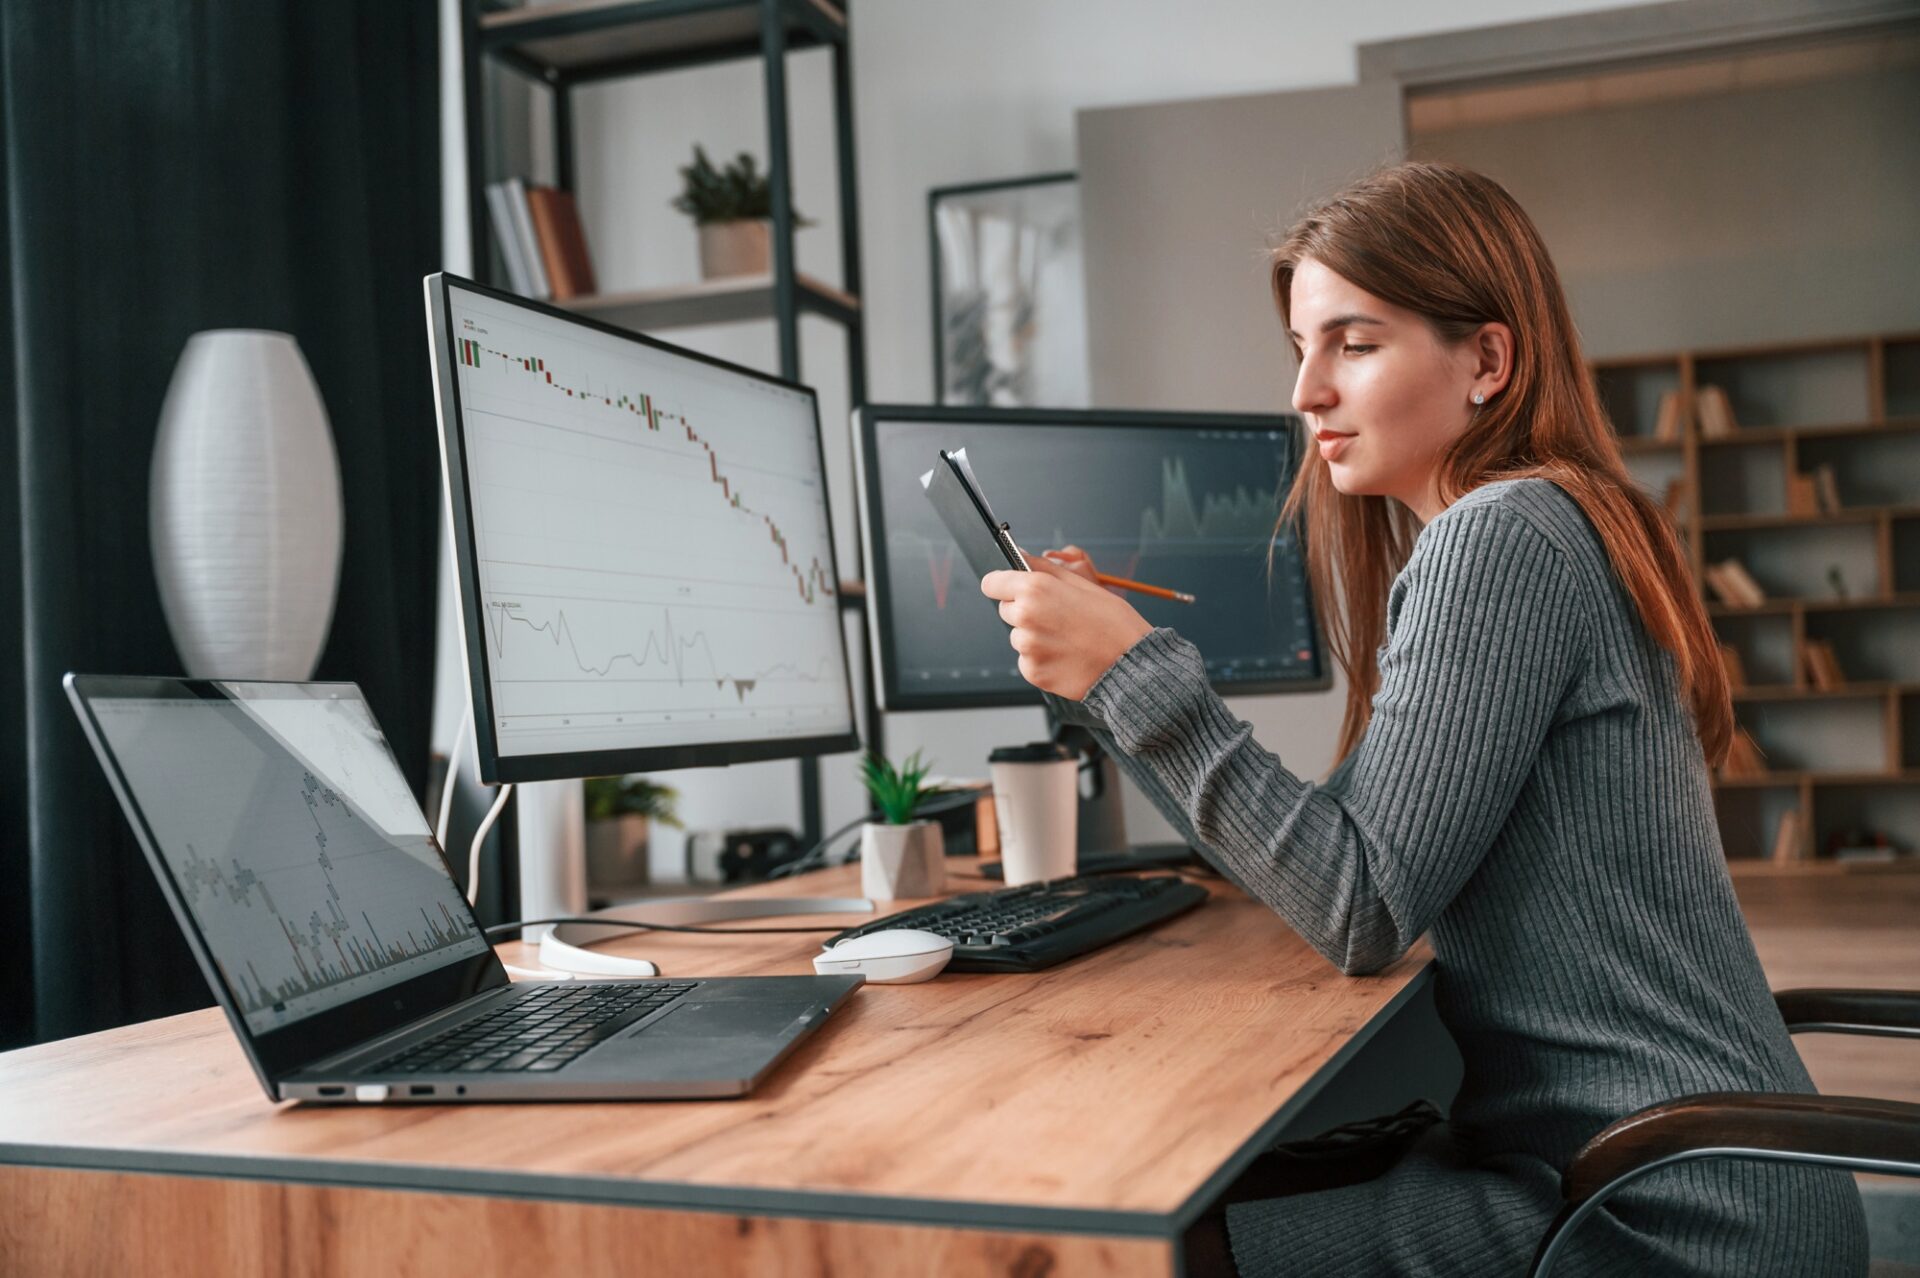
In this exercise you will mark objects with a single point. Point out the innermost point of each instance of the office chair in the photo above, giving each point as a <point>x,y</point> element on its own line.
<point>1849,1132</point>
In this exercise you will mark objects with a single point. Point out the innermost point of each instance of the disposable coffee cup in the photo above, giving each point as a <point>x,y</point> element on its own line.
<point>1036,802</point>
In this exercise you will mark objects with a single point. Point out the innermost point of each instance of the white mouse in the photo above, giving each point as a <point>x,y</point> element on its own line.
<point>896,956</point>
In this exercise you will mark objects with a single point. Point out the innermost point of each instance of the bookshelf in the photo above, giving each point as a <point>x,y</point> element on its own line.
<point>1840,756</point>
<point>565,45</point>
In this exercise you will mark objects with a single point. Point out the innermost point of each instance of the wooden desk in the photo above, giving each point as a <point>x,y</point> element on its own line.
<point>1069,1121</point>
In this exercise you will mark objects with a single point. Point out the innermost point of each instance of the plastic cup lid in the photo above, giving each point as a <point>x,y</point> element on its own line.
<point>1032,752</point>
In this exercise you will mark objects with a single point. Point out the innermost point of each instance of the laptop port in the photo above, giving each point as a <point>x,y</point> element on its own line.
<point>333,1091</point>
<point>420,1089</point>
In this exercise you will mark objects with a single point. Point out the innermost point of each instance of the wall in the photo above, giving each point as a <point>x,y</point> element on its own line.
<point>1744,217</point>
<point>944,93</point>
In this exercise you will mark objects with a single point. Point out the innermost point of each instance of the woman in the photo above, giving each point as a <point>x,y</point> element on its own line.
<point>1533,697</point>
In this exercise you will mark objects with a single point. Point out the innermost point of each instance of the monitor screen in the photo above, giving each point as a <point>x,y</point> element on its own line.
<point>291,840</point>
<point>647,570</point>
<point>1188,501</point>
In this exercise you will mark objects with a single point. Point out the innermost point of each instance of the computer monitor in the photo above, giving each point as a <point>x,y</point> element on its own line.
<point>1183,500</point>
<point>645,557</point>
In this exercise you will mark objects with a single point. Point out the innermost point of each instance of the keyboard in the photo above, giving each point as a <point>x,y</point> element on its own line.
<point>537,1033</point>
<point>1024,929</point>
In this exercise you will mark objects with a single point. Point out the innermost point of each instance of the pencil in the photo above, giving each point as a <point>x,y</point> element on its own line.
<point>1141,587</point>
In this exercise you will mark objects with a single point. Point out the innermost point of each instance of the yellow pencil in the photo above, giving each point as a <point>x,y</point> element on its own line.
<point>1141,587</point>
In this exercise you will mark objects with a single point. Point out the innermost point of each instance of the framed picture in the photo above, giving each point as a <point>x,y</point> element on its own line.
<point>1009,306</point>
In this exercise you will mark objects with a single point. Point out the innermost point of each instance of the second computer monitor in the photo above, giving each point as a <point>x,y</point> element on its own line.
<point>1183,500</point>
<point>646,564</point>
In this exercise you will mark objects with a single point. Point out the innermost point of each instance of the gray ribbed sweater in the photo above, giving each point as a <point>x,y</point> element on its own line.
<point>1531,794</point>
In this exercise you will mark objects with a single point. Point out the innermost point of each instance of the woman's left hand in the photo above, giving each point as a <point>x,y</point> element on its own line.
<point>1067,630</point>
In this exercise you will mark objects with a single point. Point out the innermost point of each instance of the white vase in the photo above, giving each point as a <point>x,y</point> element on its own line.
<point>743,247</point>
<point>902,861</point>
<point>244,508</point>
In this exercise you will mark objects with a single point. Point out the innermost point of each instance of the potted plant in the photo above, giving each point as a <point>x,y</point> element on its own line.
<point>618,812</point>
<point>733,207</point>
<point>899,856</point>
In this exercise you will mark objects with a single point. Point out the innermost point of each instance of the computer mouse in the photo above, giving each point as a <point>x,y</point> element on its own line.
<point>895,956</point>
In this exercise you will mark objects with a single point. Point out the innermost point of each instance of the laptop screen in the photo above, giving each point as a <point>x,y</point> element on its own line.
<point>292,840</point>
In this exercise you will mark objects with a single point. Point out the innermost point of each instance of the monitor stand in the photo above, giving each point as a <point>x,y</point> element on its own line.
<point>1103,818</point>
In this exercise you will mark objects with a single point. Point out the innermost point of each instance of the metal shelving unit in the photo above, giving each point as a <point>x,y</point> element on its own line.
<point>564,45</point>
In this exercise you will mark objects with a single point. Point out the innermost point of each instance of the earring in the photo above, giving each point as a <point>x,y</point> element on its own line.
<point>1478,398</point>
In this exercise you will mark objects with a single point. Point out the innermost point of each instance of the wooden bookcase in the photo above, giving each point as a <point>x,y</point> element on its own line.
<point>1846,758</point>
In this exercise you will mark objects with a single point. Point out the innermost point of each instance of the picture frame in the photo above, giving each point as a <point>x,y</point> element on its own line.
<point>1009,301</point>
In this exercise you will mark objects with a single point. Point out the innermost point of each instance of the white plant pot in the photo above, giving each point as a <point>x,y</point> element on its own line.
<point>902,861</point>
<point>244,509</point>
<point>744,247</point>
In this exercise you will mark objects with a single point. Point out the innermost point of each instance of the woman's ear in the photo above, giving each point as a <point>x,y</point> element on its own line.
<point>1493,360</point>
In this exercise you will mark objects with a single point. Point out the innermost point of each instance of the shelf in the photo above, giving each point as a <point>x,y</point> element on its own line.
<point>1786,607</point>
<point>723,301</point>
<point>1784,780</point>
<point>1861,691</point>
<point>600,39</point>
<point>1754,867</point>
<point>1632,444</point>
<point>1780,434</point>
<point>1845,515</point>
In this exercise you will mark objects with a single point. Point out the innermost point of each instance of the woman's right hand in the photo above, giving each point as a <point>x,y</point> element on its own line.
<point>1075,561</point>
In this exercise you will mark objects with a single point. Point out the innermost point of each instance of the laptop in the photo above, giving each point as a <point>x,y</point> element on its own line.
<point>318,904</point>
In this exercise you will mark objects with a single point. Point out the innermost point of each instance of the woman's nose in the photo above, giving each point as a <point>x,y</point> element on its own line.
<point>1312,392</point>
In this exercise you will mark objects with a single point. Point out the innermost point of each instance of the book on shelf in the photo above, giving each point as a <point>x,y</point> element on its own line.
<point>537,281</point>
<point>1666,422</point>
<point>1675,500</point>
<point>1736,668</point>
<point>1715,412</point>
<point>1789,837</point>
<point>513,233</point>
<point>1826,490</point>
<point>1744,757</point>
<point>501,219</point>
<point>563,242</point>
<point>1822,666</point>
<point>1802,496</point>
<point>1730,580</point>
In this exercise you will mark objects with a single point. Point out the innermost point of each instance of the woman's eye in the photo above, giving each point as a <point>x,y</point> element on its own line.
<point>1357,348</point>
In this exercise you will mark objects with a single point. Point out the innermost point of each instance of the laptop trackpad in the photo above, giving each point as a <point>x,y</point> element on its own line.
<point>714,1020</point>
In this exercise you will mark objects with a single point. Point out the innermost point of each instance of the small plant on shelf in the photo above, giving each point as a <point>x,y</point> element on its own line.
<point>732,208</point>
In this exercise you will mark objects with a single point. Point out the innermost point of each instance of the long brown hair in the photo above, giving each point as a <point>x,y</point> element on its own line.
<point>1455,248</point>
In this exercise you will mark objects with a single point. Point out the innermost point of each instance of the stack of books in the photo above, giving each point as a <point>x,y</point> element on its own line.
<point>1715,411</point>
<point>1789,837</point>
<point>1730,580</point>
<point>1676,500</point>
<point>540,237</point>
<point>1822,666</point>
<point>1666,423</point>
<point>1817,493</point>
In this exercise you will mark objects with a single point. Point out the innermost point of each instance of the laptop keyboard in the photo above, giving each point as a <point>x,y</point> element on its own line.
<point>535,1034</point>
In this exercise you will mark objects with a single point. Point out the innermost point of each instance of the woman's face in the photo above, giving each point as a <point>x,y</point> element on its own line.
<point>1382,393</point>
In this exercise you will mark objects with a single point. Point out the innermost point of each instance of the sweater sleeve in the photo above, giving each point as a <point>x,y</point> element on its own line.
<point>1486,633</point>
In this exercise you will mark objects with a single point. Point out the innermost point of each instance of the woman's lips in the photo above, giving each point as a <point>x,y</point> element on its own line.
<point>1332,444</point>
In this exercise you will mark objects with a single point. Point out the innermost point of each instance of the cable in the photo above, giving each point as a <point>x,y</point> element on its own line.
<point>518,924</point>
<point>815,856</point>
<point>479,837</point>
<point>453,775</point>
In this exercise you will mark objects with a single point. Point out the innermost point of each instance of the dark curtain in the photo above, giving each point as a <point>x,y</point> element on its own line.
<point>172,166</point>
